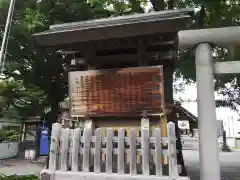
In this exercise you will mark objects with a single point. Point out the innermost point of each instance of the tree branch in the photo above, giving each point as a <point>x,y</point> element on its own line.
<point>227,103</point>
<point>202,16</point>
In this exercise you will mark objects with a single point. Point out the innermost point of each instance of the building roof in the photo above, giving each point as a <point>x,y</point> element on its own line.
<point>191,116</point>
<point>115,27</point>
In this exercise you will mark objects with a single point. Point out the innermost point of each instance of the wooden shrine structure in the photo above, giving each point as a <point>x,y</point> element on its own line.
<point>146,41</point>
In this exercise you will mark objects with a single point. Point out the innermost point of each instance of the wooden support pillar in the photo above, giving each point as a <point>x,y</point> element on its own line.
<point>168,70</point>
<point>38,138</point>
<point>89,56</point>
<point>142,59</point>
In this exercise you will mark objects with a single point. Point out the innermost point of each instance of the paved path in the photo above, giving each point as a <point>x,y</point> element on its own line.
<point>230,165</point>
<point>189,143</point>
<point>20,167</point>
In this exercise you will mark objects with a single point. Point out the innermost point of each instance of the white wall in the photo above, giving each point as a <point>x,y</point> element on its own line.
<point>8,150</point>
<point>231,142</point>
<point>231,126</point>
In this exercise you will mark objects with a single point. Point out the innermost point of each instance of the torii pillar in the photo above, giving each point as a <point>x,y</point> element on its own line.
<point>203,40</point>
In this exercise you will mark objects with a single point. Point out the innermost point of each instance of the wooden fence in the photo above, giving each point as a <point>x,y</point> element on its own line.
<point>88,155</point>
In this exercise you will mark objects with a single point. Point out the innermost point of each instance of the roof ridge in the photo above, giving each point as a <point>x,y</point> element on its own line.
<point>121,18</point>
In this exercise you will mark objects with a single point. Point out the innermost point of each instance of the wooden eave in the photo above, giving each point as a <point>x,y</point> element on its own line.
<point>115,27</point>
<point>191,117</point>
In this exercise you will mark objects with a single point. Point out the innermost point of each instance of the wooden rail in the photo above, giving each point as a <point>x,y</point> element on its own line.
<point>87,154</point>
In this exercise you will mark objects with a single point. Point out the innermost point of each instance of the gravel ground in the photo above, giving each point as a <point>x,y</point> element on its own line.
<point>230,165</point>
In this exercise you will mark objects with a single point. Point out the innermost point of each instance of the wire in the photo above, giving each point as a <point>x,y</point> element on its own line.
<point>6,35</point>
<point>5,53</point>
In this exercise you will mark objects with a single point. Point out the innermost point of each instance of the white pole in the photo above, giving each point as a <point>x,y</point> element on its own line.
<point>6,30</point>
<point>207,123</point>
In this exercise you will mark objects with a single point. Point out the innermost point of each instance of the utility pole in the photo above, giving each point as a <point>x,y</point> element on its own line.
<point>6,31</point>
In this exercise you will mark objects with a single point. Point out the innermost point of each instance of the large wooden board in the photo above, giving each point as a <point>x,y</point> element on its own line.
<point>116,92</point>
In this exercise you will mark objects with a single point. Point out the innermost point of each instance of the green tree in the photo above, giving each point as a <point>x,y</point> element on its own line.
<point>46,71</point>
<point>214,14</point>
<point>18,101</point>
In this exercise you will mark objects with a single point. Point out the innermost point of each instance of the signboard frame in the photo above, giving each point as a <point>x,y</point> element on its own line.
<point>74,78</point>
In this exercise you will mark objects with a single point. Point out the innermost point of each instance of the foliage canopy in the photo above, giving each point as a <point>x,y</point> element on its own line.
<point>41,80</point>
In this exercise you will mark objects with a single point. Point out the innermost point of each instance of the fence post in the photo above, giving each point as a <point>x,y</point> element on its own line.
<point>98,147</point>
<point>172,152</point>
<point>76,148</point>
<point>86,148</point>
<point>158,152</point>
<point>54,146</point>
<point>64,149</point>
<point>70,150</point>
<point>109,151</point>
<point>121,157</point>
<point>145,151</point>
<point>133,152</point>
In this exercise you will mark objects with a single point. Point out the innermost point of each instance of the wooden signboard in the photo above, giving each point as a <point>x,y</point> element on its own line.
<point>116,92</point>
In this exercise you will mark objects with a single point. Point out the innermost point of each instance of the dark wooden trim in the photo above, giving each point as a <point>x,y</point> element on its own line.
<point>158,39</point>
<point>103,33</point>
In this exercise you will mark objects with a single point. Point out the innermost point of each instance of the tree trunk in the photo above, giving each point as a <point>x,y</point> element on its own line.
<point>170,4</point>
<point>202,16</point>
<point>158,5</point>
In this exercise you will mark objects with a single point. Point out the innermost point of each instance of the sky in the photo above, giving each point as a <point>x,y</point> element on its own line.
<point>191,92</point>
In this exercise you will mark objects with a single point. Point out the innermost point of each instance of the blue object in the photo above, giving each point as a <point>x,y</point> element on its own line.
<point>44,141</point>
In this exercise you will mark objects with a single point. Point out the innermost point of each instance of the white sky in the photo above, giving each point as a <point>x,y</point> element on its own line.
<point>190,93</point>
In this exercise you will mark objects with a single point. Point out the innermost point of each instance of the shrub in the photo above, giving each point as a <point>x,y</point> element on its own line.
<point>16,177</point>
<point>9,135</point>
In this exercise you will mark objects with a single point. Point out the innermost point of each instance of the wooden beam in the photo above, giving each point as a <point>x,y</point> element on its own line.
<point>166,39</point>
<point>89,56</point>
<point>150,56</point>
<point>72,49</point>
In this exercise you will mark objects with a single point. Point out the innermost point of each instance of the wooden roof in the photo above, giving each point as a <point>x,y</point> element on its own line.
<point>185,114</point>
<point>115,27</point>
